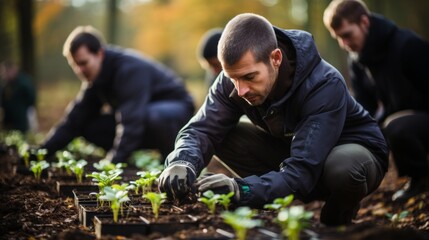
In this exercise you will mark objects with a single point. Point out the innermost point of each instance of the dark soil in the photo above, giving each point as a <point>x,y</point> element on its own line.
<point>31,210</point>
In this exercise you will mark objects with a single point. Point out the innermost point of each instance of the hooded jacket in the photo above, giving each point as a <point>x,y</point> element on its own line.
<point>391,68</point>
<point>316,114</point>
<point>128,82</point>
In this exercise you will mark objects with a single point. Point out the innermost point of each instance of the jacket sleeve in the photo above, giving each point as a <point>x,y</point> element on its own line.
<point>414,59</point>
<point>322,117</point>
<point>197,141</point>
<point>84,107</point>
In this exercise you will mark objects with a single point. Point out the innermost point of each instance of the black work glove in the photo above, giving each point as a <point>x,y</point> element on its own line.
<point>177,179</point>
<point>219,184</point>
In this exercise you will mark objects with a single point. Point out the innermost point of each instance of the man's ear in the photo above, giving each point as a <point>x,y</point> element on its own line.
<point>276,57</point>
<point>364,20</point>
<point>101,52</point>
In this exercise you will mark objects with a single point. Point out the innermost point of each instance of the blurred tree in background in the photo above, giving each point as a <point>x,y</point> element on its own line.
<point>167,30</point>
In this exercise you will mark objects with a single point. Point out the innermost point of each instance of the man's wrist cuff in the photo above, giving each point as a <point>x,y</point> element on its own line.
<point>186,163</point>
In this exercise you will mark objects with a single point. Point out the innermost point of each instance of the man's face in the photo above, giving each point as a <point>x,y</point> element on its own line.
<point>351,36</point>
<point>252,80</point>
<point>87,65</point>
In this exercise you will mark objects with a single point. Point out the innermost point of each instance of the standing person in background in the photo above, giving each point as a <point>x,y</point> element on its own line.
<point>207,55</point>
<point>387,65</point>
<point>149,103</point>
<point>18,98</point>
<point>307,137</point>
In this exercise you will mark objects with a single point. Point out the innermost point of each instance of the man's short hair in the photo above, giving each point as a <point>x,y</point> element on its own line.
<point>83,36</point>
<point>350,10</point>
<point>247,32</point>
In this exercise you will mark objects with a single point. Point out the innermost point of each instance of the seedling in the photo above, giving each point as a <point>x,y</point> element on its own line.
<point>37,168</point>
<point>210,199</point>
<point>116,198</point>
<point>14,139</point>
<point>156,199</point>
<point>41,153</point>
<point>225,200</point>
<point>26,157</point>
<point>106,166</point>
<point>280,203</point>
<point>104,179</point>
<point>292,220</point>
<point>64,160</point>
<point>241,221</point>
<point>396,218</point>
<point>147,160</point>
<point>146,180</point>
<point>78,169</point>
<point>80,147</point>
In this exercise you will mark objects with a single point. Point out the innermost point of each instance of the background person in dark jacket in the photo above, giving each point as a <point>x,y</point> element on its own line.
<point>388,65</point>
<point>207,55</point>
<point>309,137</point>
<point>18,97</point>
<point>149,102</point>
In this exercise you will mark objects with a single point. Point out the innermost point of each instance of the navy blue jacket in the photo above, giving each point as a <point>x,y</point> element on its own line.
<point>396,60</point>
<point>317,114</point>
<point>128,82</point>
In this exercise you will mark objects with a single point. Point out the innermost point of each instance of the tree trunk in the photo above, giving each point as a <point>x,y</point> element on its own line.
<point>24,10</point>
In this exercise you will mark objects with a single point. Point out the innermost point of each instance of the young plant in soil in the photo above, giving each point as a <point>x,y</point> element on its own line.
<point>37,168</point>
<point>225,200</point>
<point>41,153</point>
<point>146,180</point>
<point>156,199</point>
<point>210,199</point>
<point>13,139</point>
<point>78,169</point>
<point>241,221</point>
<point>116,198</point>
<point>107,166</point>
<point>81,148</point>
<point>396,218</point>
<point>292,220</point>
<point>65,158</point>
<point>147,159</point>
<point>26,157</point>
<point>280,203</point>
<point>104,179</point>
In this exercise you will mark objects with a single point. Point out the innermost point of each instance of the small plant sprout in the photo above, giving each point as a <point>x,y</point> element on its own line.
<point>41,153</point>
<point>26,157</point>
<point>14,138</point>
<point>37,168</point>
<point>292,220</point>
<point>147,159</point>
<point>225,200</point>
<point>103,180</point>
<point>82,148</point>
<point>280,203</point>
<point>396,218</point>
<point>78,169</point>
<point>156,199</point>
<point>64,160</point>
<point>210,199</point>
<point>116,198</point>
<point>241,221</point>
<point>146,180</point>
<point>106,166</point>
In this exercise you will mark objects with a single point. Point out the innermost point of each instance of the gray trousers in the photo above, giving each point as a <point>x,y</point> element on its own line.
<point>350,172</point>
